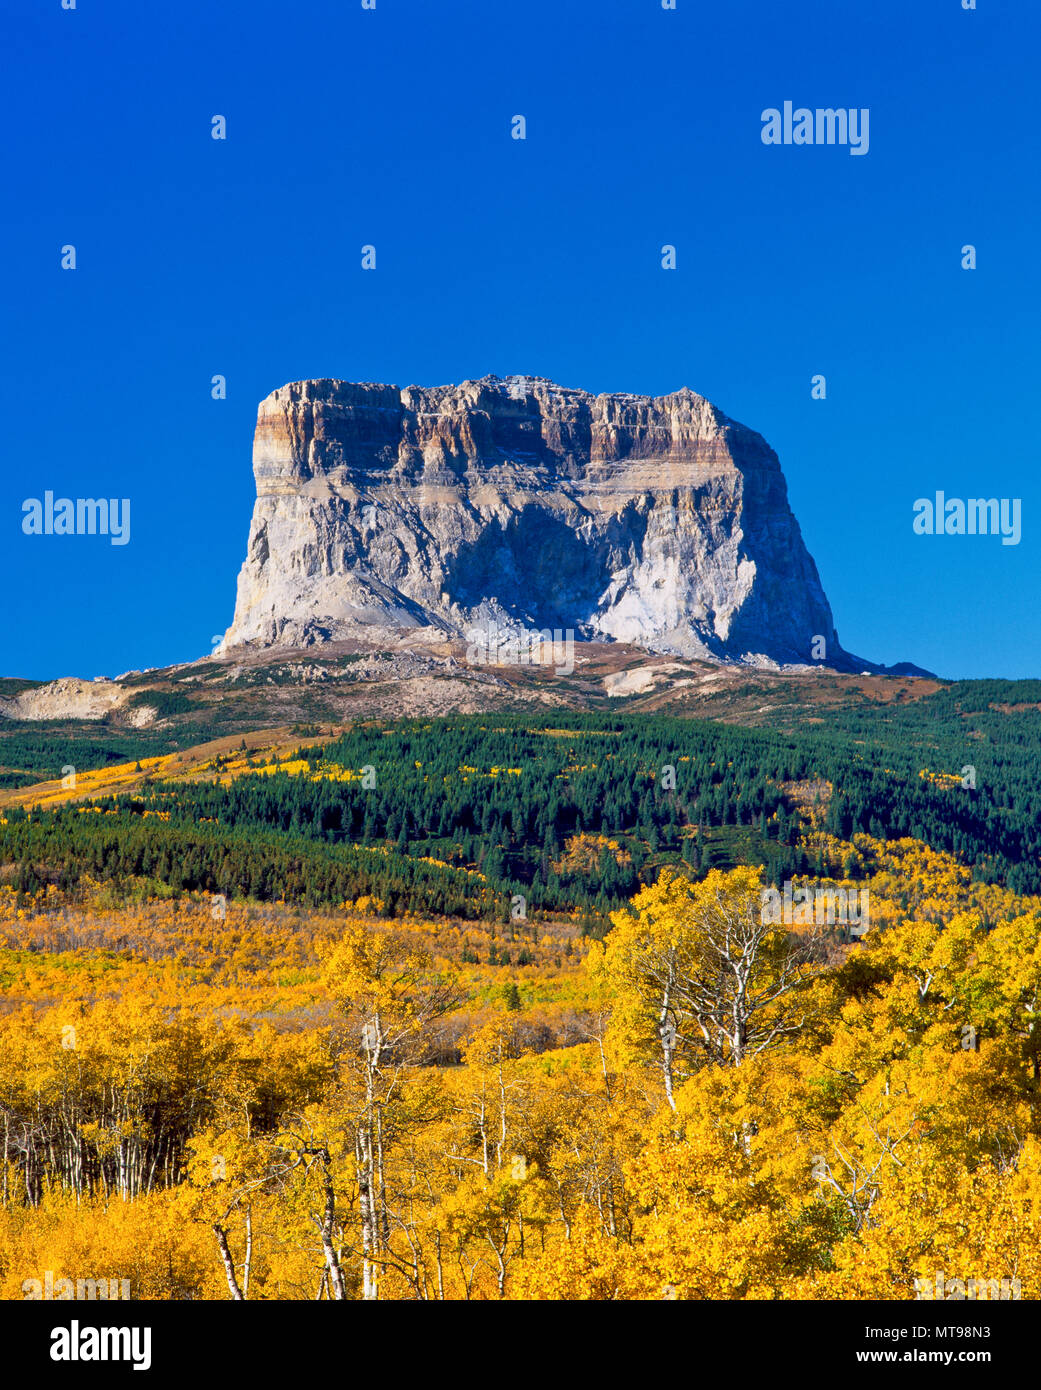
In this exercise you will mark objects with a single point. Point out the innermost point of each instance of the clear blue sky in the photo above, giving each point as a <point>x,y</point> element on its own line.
<point>541,257</point>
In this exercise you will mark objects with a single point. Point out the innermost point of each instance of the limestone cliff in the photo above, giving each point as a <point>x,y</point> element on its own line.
<point>519,503</point>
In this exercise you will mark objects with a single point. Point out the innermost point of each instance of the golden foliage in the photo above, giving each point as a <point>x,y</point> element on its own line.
<point>284,1104</point>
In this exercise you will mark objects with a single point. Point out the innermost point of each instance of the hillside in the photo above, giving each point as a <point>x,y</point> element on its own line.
<point>457,814</point>
<point>45,725</point>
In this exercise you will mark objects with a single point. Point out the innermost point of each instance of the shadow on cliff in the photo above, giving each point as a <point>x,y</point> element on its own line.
<point>542,571</point>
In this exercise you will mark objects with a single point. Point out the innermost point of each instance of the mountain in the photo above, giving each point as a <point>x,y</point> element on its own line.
<point>518,505</point>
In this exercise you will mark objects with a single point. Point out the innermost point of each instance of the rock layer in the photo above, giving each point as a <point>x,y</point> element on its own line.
<point>522,504</point>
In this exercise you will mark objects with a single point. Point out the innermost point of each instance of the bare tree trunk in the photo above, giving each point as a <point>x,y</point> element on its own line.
<point>368,1215</point>
<point>484,1133</point>
<point>502,1113</point>
<point>249,1253</point>
<point>668,1044</point>
<point>332,1261</point>
<point>228,1262</point>
<point>384,1230</point>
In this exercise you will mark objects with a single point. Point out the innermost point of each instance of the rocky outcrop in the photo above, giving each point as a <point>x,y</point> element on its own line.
<point>72,698</point>
<point>517,503</point>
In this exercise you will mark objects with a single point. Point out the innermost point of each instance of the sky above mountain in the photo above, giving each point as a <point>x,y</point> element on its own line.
<point>393,128</point>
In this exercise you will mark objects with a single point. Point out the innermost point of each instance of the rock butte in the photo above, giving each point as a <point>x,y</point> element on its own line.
<point>651,520</point>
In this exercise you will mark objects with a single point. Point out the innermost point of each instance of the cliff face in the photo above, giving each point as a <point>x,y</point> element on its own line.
<point>519,503</point>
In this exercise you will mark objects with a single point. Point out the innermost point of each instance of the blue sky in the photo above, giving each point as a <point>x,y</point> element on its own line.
<point>542,257</point>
